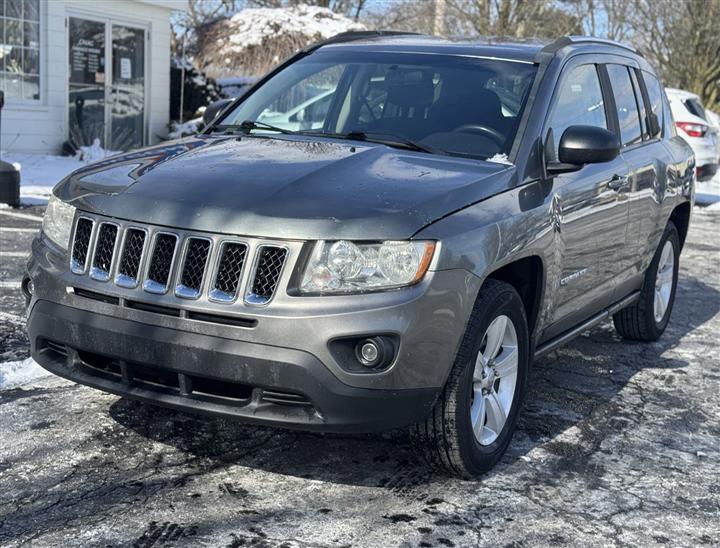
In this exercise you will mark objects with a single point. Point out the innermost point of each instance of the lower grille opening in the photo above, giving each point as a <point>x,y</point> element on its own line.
<point>95,296</point>
<point>221,319</point>
<point>103,364</point>
<point>285,398</point>
<point>146,307</point>
<point>221,389</point>
<point>144,374</point>
<point>165,380</point>
<point>56,348</point>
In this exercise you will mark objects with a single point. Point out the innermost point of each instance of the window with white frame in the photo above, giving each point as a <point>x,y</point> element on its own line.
<point>20,49</point>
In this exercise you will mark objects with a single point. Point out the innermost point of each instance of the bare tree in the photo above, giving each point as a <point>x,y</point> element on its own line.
<point>191,27</point>
<point>515,18</point>
<point>682,39</point>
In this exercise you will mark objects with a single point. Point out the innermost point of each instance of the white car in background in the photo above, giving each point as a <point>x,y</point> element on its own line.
<point>698,129</point>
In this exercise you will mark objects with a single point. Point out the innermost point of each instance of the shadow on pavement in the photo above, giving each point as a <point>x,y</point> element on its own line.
<point>577,385</point>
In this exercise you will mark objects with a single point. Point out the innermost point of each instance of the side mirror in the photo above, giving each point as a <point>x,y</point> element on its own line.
<point>581,145</point>
<point>213,109</point>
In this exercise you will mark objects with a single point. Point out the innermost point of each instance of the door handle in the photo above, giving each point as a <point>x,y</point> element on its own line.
<point>618,182</point>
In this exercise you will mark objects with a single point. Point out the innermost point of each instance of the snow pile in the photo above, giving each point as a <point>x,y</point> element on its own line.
<point>39,173</point>
<point>14,374</point>
<point>190,127</point>
<point>252,26</point>
<point>94,152</point>
<point>254,39</point>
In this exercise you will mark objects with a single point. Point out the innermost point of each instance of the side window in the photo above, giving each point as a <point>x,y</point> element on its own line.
<point>655,94</point>
<point>579,102</point>
<point>627,110</point>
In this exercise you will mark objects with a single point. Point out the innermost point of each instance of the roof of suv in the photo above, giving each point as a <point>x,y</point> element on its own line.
<point>498,48</point>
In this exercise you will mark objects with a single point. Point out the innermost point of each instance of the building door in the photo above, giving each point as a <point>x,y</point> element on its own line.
<point>127,92</point>
<point>106,99</point>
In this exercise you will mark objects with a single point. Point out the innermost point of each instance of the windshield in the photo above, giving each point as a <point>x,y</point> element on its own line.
<point>455,105</point>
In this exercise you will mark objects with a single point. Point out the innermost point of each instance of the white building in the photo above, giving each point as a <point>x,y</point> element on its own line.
<point>76,70</point>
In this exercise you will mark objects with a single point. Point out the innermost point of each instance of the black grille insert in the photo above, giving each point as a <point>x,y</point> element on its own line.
<point>227,279</point>
<point>285,398</point>
<point>57,348</point>
<point>162,258</point>
<point>269,266</point>
<point>104,251</point>
<point>132,255</point>
<point>95,296</point>
<point>81,245</point>
<point>193,270</point>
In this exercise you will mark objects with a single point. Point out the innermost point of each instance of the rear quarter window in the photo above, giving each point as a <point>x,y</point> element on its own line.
<point>655,97</point>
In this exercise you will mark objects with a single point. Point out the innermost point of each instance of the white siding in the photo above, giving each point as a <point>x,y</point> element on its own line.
<point>42,126</point>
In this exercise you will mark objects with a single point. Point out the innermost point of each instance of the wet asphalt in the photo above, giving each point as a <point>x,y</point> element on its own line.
<point>618,445</point>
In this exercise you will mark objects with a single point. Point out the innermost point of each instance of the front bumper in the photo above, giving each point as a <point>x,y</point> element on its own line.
<point>280,371</point>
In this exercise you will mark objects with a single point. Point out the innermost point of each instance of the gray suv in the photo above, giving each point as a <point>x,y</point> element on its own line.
<point>384,232</point>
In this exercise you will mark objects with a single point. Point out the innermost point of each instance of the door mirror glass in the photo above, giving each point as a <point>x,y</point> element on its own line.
<point>581,145</point>
<point>213,109</point>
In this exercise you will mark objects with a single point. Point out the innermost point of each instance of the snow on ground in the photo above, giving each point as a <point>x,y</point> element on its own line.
<point>39,173</point>
<point>708,193</point>
<point>23,372</point>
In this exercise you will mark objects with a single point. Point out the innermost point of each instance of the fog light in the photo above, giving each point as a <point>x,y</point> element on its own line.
<point>30,287</point>
<point>374,352</point>
<point>369,352</point>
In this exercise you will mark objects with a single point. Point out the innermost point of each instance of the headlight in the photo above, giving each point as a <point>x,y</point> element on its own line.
<point>57,221</point>
<point>352,267</point>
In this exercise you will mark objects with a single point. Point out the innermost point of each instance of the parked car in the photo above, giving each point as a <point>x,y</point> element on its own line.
<point>695,127</point>
<point>714,121</point>
<point>464,209</point>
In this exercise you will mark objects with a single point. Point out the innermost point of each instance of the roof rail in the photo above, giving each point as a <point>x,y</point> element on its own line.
<point>565,41</point>
<point>355,35</point>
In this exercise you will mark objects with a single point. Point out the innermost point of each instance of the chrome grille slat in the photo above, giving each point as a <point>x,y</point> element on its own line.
<point>270,262</point>
<point>230,266</point>
<point>157,279</point>
<point>104,251</point>
<point>192,271</point>
<point>81,245</point>
<point>217,271</point>
<point>128,273</point>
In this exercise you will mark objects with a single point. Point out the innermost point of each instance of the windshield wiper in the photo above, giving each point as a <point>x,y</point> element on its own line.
<point>392,141</point>
<point>248,125</point>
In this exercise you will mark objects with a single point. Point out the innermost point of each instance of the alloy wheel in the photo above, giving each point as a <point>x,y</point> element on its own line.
<point>664,281</point>
<point>494,380</point>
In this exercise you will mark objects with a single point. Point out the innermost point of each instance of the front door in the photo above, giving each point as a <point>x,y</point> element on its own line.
<point>106,99</point>
<point>590,209</point>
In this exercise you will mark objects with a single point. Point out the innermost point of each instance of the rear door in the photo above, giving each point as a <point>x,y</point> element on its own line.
<point>647,159</point>
<point>589,209</point>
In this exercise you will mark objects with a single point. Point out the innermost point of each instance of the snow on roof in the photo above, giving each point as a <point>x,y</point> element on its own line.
<point>255,39</point>
<point>250,27</point>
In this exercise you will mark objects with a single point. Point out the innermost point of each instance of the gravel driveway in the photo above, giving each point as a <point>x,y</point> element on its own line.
<point>619,444</point>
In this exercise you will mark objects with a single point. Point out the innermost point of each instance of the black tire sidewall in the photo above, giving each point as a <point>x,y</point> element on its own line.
<point>476,457</point>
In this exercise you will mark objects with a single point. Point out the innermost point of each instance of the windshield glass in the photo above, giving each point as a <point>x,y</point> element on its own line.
<point>457,105</point>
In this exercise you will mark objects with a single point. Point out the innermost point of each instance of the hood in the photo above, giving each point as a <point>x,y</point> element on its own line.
<point>286,187</point>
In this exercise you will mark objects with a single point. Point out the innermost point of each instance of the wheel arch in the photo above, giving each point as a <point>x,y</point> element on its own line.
<point>680,216</point>
<point>526,275</point>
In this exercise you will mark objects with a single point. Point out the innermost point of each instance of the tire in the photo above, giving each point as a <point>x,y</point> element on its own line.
<point>638,321</point>
<point>447,439</point>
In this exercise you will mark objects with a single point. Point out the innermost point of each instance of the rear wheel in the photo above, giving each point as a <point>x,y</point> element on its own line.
<point>647,318</point>
<point>473,420</point>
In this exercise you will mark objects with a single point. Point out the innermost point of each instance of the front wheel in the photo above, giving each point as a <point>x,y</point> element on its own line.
<point>473,421</point>
<point>647,318</point>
